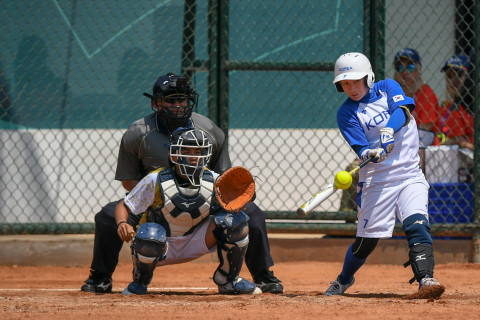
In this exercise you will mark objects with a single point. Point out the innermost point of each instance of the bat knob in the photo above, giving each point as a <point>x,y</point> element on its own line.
<point>301,213</point>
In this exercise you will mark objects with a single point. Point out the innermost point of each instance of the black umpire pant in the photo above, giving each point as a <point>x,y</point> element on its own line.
<point>107,244</point>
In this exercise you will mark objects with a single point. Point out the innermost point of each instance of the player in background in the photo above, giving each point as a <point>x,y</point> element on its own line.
<point>376,122</point>
<point>455,124</point>
<point>408,73</point>
<point>180,220</point>
<point>144,148</point>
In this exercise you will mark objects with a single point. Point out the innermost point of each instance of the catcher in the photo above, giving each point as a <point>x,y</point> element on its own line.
<point>185,214</point>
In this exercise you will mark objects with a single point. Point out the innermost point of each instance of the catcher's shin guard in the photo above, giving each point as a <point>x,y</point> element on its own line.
<point>148,247</point>
<point>231,232</point>
<point>143,271</point>
<point>421,260</point>
<point>417,230</point>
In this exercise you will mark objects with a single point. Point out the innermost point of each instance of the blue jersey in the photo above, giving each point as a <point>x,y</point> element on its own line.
<point>360,123</point>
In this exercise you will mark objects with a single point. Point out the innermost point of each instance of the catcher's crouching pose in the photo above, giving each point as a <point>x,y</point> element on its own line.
<point>145,148</point>
<point>186,214</point>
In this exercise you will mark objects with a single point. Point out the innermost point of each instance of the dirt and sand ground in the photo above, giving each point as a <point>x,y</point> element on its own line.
<point>187,291</point>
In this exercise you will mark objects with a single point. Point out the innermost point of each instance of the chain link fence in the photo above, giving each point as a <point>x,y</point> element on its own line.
<point>72,74</point>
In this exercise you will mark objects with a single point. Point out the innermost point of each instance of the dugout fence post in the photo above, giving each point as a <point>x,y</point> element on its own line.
<point>374,29</point>
<point>212,63</point>
<point>223,73</point>
<point>218,81</point>
<point>188,38</point>
<point>476,212</point>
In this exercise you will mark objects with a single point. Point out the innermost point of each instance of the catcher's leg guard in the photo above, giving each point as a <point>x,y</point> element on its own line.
<point>421,260</point>
<point>231,232</point>
<point>417,231</point>
<point>148,247</point>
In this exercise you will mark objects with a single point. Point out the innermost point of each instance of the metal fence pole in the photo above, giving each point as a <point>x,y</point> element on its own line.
<point>476,213</point>
<point>212,62</point>
<point>374,42</point>
<point>188,37</point>
<point>223,72</point>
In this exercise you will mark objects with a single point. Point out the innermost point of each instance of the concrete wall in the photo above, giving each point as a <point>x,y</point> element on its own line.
<point>77,250</point>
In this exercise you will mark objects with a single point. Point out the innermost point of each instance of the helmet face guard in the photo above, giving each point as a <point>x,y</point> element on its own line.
<point>174,100</point>
<point>190,150</point>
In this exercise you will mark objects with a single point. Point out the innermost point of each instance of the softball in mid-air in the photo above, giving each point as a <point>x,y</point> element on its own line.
<point>343,180</point>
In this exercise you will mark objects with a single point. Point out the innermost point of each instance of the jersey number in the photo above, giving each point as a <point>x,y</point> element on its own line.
<point>365,224</point>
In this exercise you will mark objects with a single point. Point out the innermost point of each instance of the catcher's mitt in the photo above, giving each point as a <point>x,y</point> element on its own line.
<point>234,188</point>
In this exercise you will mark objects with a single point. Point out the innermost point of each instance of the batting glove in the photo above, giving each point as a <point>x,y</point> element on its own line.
<point>378,155</point>
<point>387,142</point>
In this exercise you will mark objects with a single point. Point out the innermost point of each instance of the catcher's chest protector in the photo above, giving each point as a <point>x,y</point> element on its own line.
<point>184,208</point>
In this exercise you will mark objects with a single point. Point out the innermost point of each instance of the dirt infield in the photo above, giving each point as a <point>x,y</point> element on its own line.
<point>187,291</point>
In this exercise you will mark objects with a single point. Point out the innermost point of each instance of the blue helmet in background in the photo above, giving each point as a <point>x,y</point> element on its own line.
<point>458,61</point>
<point>408,53</point>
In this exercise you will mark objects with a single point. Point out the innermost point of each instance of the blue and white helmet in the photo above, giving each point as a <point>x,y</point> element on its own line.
<point>353,66</point>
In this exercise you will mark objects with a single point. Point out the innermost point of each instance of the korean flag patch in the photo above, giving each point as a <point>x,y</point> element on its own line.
<point>398,98</point>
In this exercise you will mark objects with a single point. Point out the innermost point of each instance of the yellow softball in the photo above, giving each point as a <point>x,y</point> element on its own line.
<point>343,180</point>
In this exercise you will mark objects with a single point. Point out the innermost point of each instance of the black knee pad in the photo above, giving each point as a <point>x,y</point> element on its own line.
<point>417,230</point>
<point>362,247</point>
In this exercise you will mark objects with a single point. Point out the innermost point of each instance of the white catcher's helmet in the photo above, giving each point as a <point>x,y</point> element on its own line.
<point>353,66</point>
<point>184,139</point>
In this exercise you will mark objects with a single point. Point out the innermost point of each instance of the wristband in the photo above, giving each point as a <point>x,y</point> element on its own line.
<point>118,224</point>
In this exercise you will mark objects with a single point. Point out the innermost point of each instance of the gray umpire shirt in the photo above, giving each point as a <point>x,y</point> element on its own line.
<point>145,147</point>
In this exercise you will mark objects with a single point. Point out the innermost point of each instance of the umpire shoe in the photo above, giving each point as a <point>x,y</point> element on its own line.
<point>267,282</point>
<point>239,286</point>
<point>337,288</point>
<point>103,285</point>
<point>135,288</point>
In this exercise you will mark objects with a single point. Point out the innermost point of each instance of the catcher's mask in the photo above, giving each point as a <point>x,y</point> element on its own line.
<point>173,100</point>
<point>190,150</point>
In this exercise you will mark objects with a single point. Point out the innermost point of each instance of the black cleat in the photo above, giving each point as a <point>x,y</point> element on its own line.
<point>267,282</point>
<point>103,285</point>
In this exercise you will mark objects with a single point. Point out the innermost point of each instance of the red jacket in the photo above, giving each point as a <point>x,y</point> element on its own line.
<point>454,121</point>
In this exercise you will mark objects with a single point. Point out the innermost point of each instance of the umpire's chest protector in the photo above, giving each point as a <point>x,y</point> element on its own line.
<point>184,208</point>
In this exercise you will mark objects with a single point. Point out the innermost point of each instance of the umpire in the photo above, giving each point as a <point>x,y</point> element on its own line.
<point>144,148</point>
